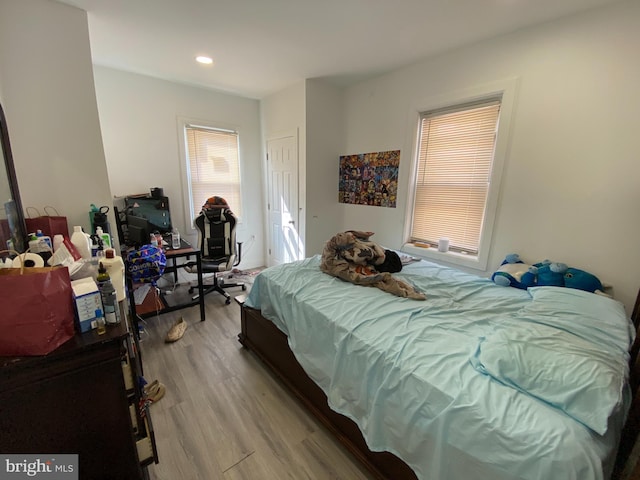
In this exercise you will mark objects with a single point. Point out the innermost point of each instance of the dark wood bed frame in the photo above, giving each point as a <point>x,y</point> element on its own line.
<point>270,345</point>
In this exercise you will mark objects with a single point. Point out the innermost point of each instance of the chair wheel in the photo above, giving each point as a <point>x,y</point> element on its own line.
<point>228,301</point>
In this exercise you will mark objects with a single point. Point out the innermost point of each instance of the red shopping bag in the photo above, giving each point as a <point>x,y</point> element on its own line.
<point>37,310</point>
<point>50,225</point>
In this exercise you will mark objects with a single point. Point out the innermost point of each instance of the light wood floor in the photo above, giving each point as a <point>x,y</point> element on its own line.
<point>224,416</point>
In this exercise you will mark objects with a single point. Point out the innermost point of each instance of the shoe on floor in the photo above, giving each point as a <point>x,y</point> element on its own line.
<point>176,331</point>
<point>149,387</point>
<point>156,393</point>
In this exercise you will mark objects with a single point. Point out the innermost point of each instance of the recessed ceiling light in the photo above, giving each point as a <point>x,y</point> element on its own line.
<point>205,60</point>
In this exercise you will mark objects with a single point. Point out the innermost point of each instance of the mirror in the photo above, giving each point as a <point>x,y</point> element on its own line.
<point>13,231</point>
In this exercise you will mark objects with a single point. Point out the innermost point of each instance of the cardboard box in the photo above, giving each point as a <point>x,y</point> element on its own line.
<point>86,300</point>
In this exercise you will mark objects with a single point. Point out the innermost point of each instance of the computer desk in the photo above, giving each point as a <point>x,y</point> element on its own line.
<point>154,302</point>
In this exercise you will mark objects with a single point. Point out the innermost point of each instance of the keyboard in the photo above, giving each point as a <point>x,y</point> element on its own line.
<point>140,293</point>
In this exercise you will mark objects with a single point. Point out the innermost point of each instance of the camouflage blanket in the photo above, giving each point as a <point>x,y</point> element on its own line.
<point>351,256</point>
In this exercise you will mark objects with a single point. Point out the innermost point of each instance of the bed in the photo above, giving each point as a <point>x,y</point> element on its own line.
<point>477,381</point>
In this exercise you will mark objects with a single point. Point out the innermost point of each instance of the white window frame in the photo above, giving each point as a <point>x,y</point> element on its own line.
<point>183,123</point>
<point>506,89</point>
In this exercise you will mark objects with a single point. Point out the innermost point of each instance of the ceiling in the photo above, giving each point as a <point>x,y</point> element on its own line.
<point>262,46</point>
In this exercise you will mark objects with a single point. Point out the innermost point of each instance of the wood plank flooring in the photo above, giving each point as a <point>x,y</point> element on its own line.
<point>224,416</point>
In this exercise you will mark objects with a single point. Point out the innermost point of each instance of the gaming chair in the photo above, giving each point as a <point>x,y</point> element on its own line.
<point>220,252</point>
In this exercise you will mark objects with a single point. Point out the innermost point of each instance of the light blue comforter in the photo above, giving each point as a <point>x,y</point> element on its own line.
<point>432,382</point>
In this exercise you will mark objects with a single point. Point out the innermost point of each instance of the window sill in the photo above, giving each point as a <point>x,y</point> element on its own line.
<point>455,258</point>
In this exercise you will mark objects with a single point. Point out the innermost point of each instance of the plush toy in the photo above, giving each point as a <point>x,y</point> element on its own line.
<point>559,275</point>
<point>549,274</point>
<point>576,278</point>
<point>511,271</point>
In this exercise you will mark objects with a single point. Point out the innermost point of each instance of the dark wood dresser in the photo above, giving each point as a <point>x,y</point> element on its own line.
<point>83,398</point>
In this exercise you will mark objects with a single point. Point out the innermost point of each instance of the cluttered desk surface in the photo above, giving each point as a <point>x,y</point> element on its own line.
<point>148,300</point>
<point>185,247</point>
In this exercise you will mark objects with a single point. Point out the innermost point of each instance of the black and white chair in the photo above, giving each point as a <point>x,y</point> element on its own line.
<point>220,252</point>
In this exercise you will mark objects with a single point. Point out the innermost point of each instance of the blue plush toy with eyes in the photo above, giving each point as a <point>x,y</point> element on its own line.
<point>544,274</point>
<point>576,278</point>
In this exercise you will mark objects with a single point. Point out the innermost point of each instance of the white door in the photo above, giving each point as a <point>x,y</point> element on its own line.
<point>282,173</point>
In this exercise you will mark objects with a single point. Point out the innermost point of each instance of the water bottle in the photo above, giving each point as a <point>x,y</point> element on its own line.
<point>175,238</point>
<point>109,298</point>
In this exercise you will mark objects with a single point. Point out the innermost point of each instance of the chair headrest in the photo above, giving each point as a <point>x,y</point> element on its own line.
<point>215,203</point>
<point>214,209</point>
<point>215,214</point>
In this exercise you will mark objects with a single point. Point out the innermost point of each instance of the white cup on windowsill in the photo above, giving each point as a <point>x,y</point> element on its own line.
<point>443,245</point>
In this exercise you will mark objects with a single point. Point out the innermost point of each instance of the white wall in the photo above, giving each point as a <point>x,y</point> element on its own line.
<point>49,99</point>
<point>570,188</point>
<point>325,139</point>
<point>315,109</point>
<point>282,113</point>
<point>139,117</point>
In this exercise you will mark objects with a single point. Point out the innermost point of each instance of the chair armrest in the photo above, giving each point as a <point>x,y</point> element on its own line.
<point>239,257</point>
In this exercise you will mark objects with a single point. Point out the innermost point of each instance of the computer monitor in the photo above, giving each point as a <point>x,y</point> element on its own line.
<point>154,209</point>
<point>138,230</point>
<point>139,215</point>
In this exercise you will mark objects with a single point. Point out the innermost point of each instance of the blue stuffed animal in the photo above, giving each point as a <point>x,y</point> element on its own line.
<point>548,274</point>
<point>559,275</point>
<point>511,272</point>
<point>576,278</point>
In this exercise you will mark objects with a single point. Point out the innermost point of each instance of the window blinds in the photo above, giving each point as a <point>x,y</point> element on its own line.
<point>213,167</point>
<point>455,154</point>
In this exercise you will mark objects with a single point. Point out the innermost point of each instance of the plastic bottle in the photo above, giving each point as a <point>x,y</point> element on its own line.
<point>81,241</point>
<point>106,238</point>
<point>100,322</point>
<point>109,297</point>
<point>57,241</point>
<point>44,241</point>
<point>100,248</point>
<point>34,246</point>
<point>175,238</point>
<point>92,212</point>
<point>115,268</point>
<point>94,245</point>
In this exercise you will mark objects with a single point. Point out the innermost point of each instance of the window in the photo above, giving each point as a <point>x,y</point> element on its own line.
<point>455,156</point>
<point>212,167</point>
<point>461,145</point>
